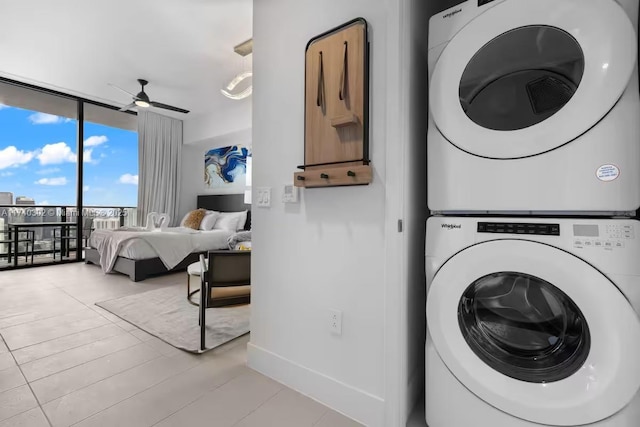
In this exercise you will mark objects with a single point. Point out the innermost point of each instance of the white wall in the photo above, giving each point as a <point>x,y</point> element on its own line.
<point>234,116</point>
<point>339,247</point>
<point>202,133</point>
<point>192,183</point>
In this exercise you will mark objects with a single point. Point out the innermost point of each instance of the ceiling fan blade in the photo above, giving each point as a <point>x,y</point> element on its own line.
<point>127,107</point>
<point>168,107</point>
<point>122,90</point>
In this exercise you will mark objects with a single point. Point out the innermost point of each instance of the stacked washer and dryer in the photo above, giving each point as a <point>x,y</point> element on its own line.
<point>533,252</point>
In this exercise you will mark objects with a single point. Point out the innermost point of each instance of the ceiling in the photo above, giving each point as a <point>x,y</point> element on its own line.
<point>184,48</point>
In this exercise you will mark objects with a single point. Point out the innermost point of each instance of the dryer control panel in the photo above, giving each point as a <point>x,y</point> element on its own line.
<point>604,236</point>
<point>519,228</point>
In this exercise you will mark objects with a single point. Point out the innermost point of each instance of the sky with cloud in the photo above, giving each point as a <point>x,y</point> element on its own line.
<point>38,158</point>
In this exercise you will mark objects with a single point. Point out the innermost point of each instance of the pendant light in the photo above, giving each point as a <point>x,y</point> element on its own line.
<point>243,49</point>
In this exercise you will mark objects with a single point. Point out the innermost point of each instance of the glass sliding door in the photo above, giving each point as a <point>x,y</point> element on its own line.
<point>67,166</point>
<point>38,174</point>
<point>110,172</point>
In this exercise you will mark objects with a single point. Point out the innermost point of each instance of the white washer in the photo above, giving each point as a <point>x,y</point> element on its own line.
<point>532,322</point>
<point>534,106</point>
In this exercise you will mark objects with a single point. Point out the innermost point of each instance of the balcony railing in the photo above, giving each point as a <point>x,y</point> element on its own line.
<point>48,243</point>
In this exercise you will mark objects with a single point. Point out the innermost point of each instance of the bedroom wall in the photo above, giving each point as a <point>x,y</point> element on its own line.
<point>338,248</point>
<point>192,183</point>
<point>235,117</point>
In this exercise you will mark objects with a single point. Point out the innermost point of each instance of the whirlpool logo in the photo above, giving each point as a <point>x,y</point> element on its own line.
<point>451,226</point>
<point>451,14</point>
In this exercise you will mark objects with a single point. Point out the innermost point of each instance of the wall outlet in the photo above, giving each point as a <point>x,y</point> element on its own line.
<point>264,197</point>
<point>335,322</point>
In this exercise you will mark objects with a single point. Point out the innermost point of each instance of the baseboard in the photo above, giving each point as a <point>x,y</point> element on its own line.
<point>354,403</point>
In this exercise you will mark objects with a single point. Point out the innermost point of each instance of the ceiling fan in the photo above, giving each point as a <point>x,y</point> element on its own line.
<point>142,100</point>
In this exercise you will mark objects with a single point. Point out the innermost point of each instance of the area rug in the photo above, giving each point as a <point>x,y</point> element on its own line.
<point>166,314</point>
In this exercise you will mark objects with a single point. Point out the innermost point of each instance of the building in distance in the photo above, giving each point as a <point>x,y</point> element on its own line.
<point>6,198</point>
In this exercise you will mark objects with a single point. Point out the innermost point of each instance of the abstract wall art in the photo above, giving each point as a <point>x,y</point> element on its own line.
<point>225,168</point>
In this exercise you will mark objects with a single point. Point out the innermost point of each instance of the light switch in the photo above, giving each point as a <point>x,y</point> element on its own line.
<point>264,197</point>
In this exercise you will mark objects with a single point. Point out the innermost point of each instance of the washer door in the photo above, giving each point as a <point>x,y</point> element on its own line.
<point>526,77</point>
<point>535,332</point>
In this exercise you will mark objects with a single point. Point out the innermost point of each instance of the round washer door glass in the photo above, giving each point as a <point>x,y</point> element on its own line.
<point>525,77</point>
<point>524,327</point>
<point>521,78</point>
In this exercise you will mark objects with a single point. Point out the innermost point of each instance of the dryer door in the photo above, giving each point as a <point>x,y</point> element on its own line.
<point>526,77</point>
<point>535,332</point>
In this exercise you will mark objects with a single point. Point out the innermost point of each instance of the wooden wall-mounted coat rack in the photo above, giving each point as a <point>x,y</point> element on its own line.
<point>336,144</point>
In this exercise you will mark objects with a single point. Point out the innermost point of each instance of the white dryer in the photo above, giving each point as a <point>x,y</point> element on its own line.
<point>534,106</point>
<point>532,322</point>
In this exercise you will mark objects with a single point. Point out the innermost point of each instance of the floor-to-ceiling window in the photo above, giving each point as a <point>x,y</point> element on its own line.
<point>66,165</point>
<point>110,170</point>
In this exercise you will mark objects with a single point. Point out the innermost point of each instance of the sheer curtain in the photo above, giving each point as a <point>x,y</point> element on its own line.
<point>160,159</point>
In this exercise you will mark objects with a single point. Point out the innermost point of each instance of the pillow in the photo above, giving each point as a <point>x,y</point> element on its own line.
<point>184,218</point>
<point>209,220</point>
<point>228,221</point>
<point>242,219</point>
<point>194,218</point>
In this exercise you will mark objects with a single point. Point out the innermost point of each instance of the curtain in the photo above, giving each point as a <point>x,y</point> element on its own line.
<point>159,165</point>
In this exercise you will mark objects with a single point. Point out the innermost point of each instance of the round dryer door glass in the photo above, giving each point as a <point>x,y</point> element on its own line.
<point>521,78</point>
<point>524,327</point>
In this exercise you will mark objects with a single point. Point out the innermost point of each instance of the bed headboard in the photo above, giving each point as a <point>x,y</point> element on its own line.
<point>226,203</point>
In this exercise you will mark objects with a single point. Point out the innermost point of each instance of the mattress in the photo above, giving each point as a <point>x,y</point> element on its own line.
<point>137,249</point>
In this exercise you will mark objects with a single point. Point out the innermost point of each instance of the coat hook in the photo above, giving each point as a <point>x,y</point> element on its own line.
<point>324,176</point>
<point>301,178</point>
<point>351,173</point>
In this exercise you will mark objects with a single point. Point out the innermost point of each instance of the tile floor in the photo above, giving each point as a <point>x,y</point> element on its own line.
<point>65,361</point>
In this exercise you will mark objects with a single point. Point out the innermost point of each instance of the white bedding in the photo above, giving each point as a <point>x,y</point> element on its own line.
<point>138,248</point>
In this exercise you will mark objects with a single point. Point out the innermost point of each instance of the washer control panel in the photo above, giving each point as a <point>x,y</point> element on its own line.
<point>519,228</point>
<point>606,237</point>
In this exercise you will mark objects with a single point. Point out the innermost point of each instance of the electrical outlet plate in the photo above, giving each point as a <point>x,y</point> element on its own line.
<point>289,194</point>
<point>264,197</point>
<point>335,322</point>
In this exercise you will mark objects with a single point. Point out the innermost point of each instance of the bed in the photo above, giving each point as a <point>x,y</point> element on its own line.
<point>138,260</point>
